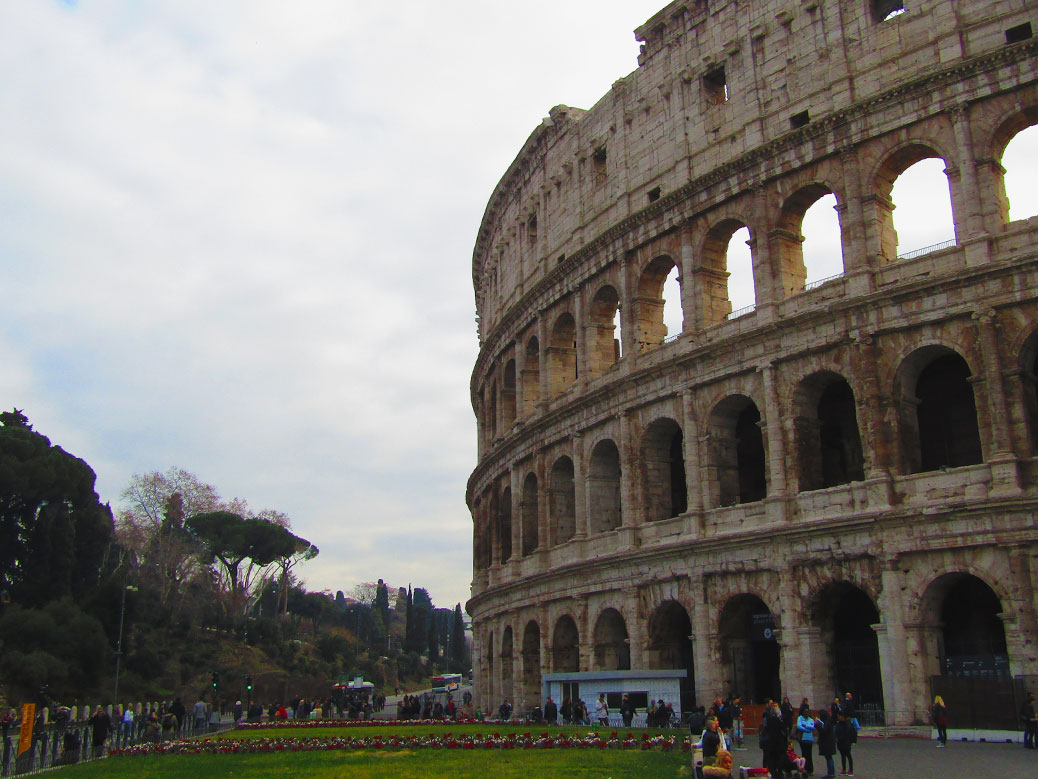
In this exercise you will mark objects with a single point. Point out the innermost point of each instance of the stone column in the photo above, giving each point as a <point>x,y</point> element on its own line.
<point>686,262</point>
<point>630,504</point>
<point>775,501</point>
<point>627,325</point>
<point>516,513</point>
<point>636,628</point>
<point>814,679</point>
<point>707,660</point>
<point>581,503</point>
<point>580,334</point>
<point>1005,478</point>
<point>693,460</point>
<point>542,355</point>
<point>1022,628</point>
<point>968,207</point>
<point>876,438</point>
<point>854,237</point>
<point>892,642</point>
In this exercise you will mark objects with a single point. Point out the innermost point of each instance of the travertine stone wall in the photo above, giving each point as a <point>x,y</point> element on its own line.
<point>744,115</point>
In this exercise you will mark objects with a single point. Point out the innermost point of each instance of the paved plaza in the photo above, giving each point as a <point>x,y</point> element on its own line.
<point>910,758</point>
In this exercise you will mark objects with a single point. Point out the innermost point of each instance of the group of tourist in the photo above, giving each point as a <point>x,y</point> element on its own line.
<point>832,729</point>
<point>430,707</point>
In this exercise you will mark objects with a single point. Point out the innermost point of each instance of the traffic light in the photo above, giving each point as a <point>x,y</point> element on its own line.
<point>216,680</point>
<point>248,683</point>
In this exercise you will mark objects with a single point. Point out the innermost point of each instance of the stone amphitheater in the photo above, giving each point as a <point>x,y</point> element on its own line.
<point>831,490</point>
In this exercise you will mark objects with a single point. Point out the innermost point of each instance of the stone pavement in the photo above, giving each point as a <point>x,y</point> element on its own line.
<point>910,758</point>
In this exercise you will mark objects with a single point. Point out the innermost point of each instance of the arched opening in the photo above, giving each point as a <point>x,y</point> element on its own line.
<point>673,315</point>
<point>604,483</point>
<point>650,307</point>
<point>914,204</point>
<point>742,291</point>
<point>531,377</point>
<point>508,397</point>
<point>973,636</point>
<point>479,562</point>
<point>845,615</point>
<point>529,509</point>
<point>611,642</point>
<point>562,356</point>
<point>670,646</point>
<point>603,332</point>
<point>531,653</point>
<point>504,525</point>
<point>721,251</point>
<point>506,664</point>
<point>492,411</point>
<point>663,474</point>
<point>1020,162</point>
<point>885,10</point>
<point>828,442</point>
<point>737,457</point>
<point>807,242</point>
<point>565,646</point>
<point>562,504</point>
<point>938,411</point>
<point>749,650</point>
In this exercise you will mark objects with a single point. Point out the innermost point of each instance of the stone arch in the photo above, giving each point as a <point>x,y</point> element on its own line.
<point>562,501</point>
<point>506,663</point>
<point>612,644</point>
<point>884,10</point>
<point>531,376</point>
<point>508,396</point>
<point>937,411</point>
<point>825,424</point>
<point>603,340</point>
<point>846,617</point>
<point>530,514</point>
<point>897,162</point>
<point>565,646</point>
<point>504,525</point>
<point>670,646</point>
<point>737,458</point>
<point>562,355</point>
<point>1008,129</point>
<point>604,510</point>
<point>963,631</point>
<point>714,296</point>
<point>787,238</point>
<point>649,329</point>
<point>750,652</point>
<point>531,654</point>
<point>663,470</point>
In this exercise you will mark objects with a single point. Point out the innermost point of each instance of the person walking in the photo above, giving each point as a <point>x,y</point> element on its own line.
<point>602,710</point>
<point>551,712</point>
<point>626,710</point>
<point>940,720</point>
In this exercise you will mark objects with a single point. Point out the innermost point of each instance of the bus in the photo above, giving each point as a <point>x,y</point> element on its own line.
<point>446,683</point>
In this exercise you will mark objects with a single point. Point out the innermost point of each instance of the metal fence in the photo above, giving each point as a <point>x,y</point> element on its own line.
<point>65,743</point>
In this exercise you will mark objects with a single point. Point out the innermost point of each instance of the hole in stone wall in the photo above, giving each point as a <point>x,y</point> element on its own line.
<point>715,86</point>
<point>1019,33</point>
<point>654,194</point>
<point>799,120</point>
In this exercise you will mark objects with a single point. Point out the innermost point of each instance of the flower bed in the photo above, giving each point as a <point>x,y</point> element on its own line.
<point>353,723</point>
<point>445,741</point>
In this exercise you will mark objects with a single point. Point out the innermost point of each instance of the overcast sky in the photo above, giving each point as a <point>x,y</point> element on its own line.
<point>236,238</point>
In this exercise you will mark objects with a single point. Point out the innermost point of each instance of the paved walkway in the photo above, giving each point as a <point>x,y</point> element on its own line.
<point>910,758</point>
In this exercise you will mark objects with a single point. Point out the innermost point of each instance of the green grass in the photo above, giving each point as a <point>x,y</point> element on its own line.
<point>369,731</point>
<point>400,763</point>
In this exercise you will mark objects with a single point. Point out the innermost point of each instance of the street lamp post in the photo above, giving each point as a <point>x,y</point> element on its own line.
<point>119,643</point>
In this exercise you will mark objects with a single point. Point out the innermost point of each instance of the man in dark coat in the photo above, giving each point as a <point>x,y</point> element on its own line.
<point>626,711</point>
<point>551,712</point>
<point>100,726</point>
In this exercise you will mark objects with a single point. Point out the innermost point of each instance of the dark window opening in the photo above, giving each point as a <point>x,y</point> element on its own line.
<point>640,700</point>
<point>949,436</point>
<point>678,487</point>
<point>750,456</point>
<point>842,459</point>
<point>654,194</point>
<point>598,165</point>
<point>715,86</point>
<point>884,10</point>
<point>973,636</point>
<point>531,228</point>
<point>562,259</point>
<point>799,120</point>
<point>1019,33</point>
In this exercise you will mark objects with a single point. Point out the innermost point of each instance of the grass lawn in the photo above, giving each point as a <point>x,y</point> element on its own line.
<point>400,763</point>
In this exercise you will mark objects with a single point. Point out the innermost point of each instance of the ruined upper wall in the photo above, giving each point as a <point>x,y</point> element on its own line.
<point>716,81</point>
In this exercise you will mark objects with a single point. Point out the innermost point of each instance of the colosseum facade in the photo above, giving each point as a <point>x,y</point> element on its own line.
<point>832,489</point>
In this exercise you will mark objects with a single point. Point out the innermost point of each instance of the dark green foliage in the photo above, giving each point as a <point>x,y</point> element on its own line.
<point>54,532</point>
<point>459,660</point>
<point>58,645</point>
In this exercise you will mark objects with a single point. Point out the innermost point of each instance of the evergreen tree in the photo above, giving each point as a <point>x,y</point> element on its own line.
<point>458,648</point>
<point>434,641</point>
